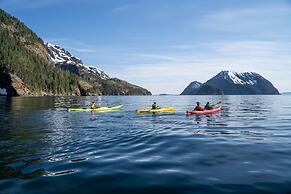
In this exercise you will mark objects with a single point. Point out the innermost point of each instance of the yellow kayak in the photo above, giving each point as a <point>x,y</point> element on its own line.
<point>168,109</point>
<point>101,109</point>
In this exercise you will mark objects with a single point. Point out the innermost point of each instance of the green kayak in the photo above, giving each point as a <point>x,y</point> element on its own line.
<point>101,109</point>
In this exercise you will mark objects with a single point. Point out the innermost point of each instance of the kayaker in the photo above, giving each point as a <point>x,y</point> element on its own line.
<point>198,107</point>
<point>155,106</point>
<point>93,105</point>
<point>208,106</point>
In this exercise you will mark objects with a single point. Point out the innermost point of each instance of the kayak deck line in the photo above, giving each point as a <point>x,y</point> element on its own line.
<point>101,109</point>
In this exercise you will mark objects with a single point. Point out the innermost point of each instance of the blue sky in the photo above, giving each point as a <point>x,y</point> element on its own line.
<point>163,45</point>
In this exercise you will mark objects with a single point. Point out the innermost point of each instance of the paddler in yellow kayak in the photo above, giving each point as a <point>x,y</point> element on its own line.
<point>155,106</point>
<point>93,105</point>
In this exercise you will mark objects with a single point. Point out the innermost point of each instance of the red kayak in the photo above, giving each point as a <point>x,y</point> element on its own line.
<point>204,112</point>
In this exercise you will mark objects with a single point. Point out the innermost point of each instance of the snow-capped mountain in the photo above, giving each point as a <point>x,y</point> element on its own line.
<point>65,60</point>
<point>233,83</point>
<point>95,76</point>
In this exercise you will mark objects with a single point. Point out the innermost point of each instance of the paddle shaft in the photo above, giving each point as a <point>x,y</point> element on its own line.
<point>212,105</point>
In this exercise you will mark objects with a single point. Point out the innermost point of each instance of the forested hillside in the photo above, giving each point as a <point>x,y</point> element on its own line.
<point>27,69</point>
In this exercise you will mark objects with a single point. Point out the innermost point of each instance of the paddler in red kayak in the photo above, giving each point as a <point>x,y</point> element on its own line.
<point>199,107</point>
<point>208,106</point>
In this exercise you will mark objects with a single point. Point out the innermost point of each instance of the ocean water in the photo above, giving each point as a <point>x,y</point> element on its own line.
<point>46,149</point>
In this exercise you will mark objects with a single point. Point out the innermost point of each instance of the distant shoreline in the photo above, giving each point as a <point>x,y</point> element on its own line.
<point>154,95</point>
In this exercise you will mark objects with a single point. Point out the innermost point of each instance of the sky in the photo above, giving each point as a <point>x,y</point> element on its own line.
<point>163,45</point>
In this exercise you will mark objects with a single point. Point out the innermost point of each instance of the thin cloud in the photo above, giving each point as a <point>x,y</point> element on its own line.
<point>121,9</point>
<point>245,19</point>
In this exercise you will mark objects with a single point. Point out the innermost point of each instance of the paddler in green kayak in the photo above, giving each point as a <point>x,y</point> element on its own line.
<point>155,106</point>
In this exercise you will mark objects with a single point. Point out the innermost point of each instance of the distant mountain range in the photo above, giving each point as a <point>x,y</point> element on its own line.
<point>232,83</point>
<point>28,66</point>
<point>286,93</point>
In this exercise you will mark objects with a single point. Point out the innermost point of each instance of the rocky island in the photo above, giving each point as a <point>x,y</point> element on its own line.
<point>232,83</point>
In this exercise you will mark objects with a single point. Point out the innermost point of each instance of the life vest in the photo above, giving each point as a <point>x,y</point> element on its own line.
<point>92,105</point>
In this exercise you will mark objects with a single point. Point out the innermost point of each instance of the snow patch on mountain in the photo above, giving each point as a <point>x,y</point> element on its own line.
<point>94,69</point>
<point>246,78</point>
<point>60,56</point>
<point>196,84</point>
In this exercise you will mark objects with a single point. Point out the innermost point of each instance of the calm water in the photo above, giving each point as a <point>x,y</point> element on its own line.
<point>244,149</point>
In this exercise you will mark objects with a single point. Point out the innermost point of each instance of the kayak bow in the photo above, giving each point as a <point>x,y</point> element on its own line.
<point>101,109</point>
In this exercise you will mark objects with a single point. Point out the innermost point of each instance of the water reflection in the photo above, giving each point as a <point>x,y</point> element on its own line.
<point>7,172</point>
<point>210,119</point>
